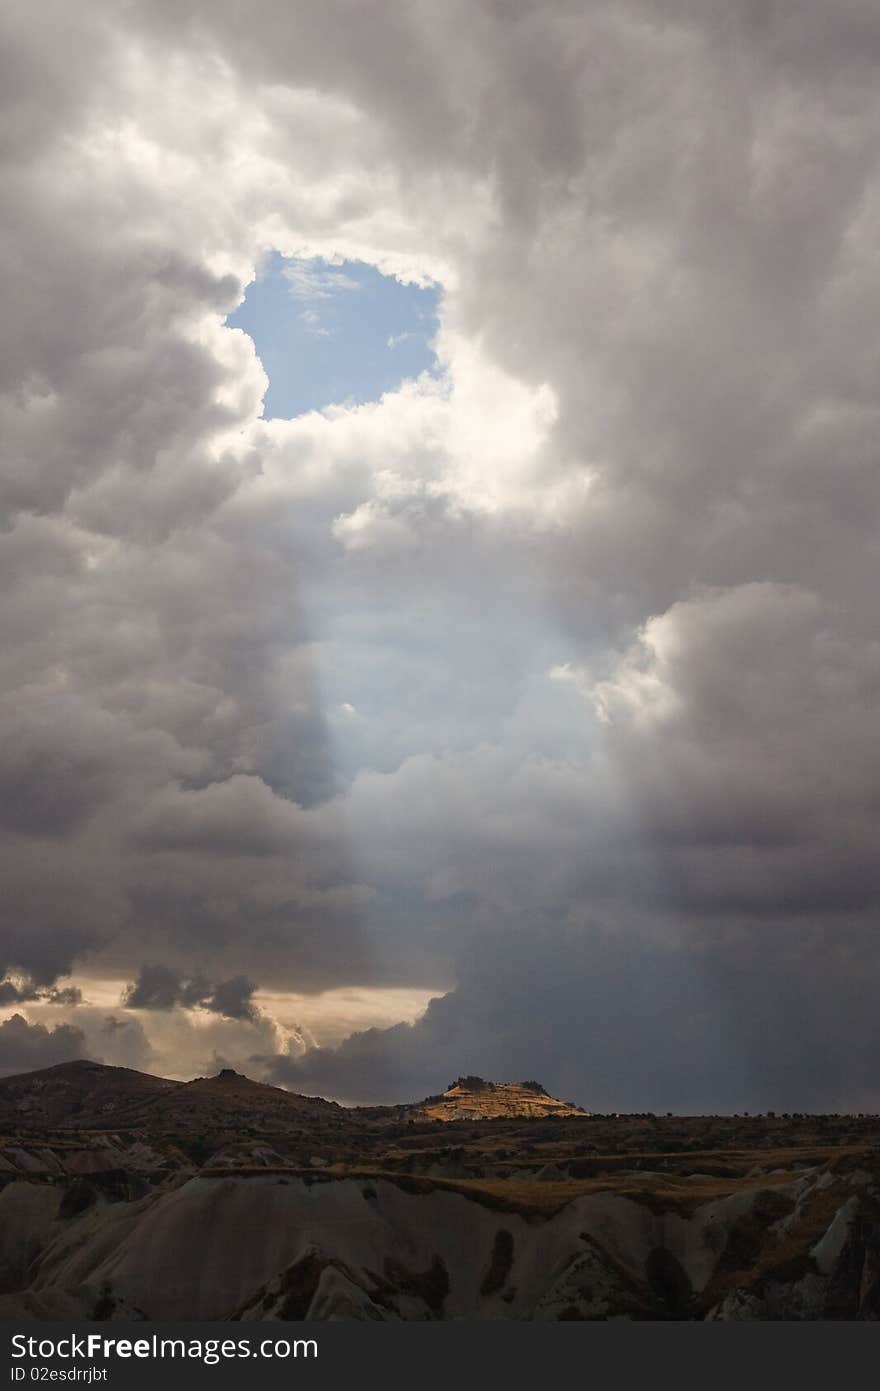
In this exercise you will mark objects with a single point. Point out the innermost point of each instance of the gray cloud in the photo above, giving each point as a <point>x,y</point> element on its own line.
<point>12,992</point>
<point>623,1023</point>
<point>584,634</point>
<point>24,1046</point>
<point>233,998</point>
<point>159,987</point>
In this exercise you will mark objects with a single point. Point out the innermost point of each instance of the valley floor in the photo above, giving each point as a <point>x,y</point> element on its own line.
<point>576,1218</point>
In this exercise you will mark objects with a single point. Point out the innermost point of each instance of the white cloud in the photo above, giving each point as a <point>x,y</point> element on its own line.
<point>312,282</point>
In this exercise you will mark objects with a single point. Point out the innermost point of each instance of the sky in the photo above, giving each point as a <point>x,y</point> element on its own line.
<point>334,335</point>
<point>497,699</point>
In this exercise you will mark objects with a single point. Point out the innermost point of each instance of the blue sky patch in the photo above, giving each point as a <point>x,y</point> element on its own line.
<point>332,334</point>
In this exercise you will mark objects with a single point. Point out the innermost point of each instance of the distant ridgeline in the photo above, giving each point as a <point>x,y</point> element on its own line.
<point>88,1095</point>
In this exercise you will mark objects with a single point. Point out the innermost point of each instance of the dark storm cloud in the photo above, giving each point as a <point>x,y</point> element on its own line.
<point>11,994</point>
<point>21,992</point>
<point>156,987</point>
<point>585,634</point>
<point>624,1023</point>
<point>233,998</point>
<point>160,988</point>
<point>24,1046</point>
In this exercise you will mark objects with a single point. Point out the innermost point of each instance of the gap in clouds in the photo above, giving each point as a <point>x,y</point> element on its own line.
<point>332,334</point>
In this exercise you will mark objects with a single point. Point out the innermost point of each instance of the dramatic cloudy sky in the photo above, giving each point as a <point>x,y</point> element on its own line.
<point>504,697</point>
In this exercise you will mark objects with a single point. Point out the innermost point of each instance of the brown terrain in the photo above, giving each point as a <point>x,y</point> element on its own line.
<point>470,1098</point>
<point>129,1196</point>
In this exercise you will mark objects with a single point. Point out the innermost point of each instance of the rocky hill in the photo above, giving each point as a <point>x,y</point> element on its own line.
<point>79,1093</point>
<point>88,1096</point>
<point>231,1099</point>
<point>472,1098</point>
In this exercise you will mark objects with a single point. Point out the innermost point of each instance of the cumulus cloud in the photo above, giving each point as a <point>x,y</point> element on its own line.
<point>159,987</point>
<point>21,990</point>
<point>24,1046</point>
<point>601,595</point>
